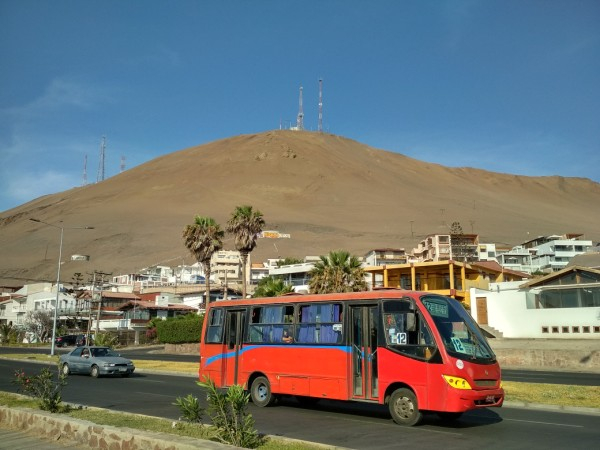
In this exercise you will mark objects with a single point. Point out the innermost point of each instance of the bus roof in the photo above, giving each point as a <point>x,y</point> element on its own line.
<point>304,298</point>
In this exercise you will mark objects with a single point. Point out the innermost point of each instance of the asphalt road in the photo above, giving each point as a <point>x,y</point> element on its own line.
<point>353,425</point>
<point>524,376</point>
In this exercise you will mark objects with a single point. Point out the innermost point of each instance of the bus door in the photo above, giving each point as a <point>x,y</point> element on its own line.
<point>234,329</point>
<point>364,352</point>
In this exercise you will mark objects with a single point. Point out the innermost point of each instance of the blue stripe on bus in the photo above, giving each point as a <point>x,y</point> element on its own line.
<point>212,359</point>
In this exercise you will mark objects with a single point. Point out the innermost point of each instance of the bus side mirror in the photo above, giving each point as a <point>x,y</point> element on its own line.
<point>411,323</point>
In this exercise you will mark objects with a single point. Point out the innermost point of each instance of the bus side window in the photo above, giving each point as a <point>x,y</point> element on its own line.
<point>214,333</point>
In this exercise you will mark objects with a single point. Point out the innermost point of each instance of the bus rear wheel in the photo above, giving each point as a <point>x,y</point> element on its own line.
<point>260,392</point>
<point>404,408</point>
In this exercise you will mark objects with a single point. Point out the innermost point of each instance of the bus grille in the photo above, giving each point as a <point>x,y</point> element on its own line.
<point>486,383</point>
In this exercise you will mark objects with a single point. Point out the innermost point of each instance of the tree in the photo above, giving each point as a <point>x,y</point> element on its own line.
<point>204,238</point>
<point>337,272</point>
<point>5,331</point>
<point>39,322</point>
<point>272,287</point>
<point>288,261</point>
<point>458,242</point>
<point>245,224</point>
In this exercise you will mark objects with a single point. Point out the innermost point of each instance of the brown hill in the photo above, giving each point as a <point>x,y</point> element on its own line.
<point>328,192</point>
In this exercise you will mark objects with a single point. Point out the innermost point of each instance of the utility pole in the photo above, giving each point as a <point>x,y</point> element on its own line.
<point>300,118</point>
<point>101,276</point>
<point>320,126</point>
<point>100,176</point>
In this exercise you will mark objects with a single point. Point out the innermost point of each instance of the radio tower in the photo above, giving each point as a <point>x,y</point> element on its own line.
<point>100,176</point>
<point>122,163</point>
<point>320,127</point>
<point>300,118</point>
<point>84,183</point>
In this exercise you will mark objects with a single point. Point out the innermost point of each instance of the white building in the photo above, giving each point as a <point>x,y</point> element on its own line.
<point>564,304</point>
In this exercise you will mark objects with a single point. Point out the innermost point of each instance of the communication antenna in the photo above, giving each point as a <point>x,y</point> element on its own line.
<point>300,118</point>
<point>84,182</point>
<point>320,127</point>
<point>122,163</point>
<point>100,176</point>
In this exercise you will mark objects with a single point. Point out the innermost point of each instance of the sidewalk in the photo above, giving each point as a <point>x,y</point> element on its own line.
<point>20,440</point>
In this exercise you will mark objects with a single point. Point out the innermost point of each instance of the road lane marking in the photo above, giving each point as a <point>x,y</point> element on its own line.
<point>546,423</point>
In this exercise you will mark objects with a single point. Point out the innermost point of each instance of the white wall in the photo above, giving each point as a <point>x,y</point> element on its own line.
<point>508,313</point>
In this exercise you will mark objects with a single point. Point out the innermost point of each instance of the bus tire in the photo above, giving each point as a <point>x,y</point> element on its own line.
<point>404,408</point>
<point>260,392</point>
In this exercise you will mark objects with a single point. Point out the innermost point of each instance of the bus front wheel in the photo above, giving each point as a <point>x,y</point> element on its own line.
<point>404,408</point>
<point>260,392</point>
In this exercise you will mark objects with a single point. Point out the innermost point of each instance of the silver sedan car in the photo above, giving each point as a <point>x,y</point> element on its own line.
<point>95,361</point>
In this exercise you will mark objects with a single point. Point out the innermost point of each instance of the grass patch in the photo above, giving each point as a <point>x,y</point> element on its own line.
<point>553,394</point>
<point>148,423</point>
<point>32,357</point>
<point>167,366</point>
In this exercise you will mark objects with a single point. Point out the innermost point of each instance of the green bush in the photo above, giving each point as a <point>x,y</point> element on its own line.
<point>180,330</point>
<point>190,408</point>
<point>42,387</point>
<point>229,414</point>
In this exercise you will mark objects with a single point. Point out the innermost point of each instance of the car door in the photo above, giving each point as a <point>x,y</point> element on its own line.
<point>74,360</point>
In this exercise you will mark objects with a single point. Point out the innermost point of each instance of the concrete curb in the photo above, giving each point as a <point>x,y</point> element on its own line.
<point>90,435</point>
<point>553,408</point>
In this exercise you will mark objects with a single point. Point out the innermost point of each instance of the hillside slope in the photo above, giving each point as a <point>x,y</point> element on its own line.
<point>327,191</point>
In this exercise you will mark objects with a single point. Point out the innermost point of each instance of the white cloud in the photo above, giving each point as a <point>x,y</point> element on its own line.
<point>28,186</point>
<point>59,94</point>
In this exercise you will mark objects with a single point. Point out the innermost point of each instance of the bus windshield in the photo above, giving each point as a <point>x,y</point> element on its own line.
<point>460,334</point>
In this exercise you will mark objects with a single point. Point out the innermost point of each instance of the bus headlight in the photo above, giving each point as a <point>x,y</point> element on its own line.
<point>457,382</point>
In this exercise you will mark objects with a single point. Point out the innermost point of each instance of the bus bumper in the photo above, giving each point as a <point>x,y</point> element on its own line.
<point>461,400</point>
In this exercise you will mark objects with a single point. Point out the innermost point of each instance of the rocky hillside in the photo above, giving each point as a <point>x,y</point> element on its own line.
<point>326,191</point>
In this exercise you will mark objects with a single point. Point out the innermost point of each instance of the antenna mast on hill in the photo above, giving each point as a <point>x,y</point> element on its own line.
<point>84,182</point>
<point>320,127</point>
<point>300,118</point>
<point>100,176</point>
<point>122,163</point>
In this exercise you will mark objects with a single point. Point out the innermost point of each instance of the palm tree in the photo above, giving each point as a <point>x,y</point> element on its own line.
<point>245,224</point>
<point>203,238</point>
<point>272,287</point>
<point>337,272</point>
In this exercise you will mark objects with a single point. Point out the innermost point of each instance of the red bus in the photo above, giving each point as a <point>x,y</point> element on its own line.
<point>413,351</point>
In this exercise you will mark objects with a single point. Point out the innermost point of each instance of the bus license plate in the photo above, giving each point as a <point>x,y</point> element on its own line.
<point>490,399</point>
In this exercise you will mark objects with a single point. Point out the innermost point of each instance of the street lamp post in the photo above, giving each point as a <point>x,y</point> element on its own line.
<point>62,232</point>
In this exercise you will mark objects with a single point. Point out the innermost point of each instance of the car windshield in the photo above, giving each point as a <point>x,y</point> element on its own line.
<point>460,334</point>
<point>102,352</point>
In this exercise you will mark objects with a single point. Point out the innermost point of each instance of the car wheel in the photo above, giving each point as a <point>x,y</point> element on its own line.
<point>65,370</point>
<point>95,371</point>
<point>404,408</point>
<point>260,392</point>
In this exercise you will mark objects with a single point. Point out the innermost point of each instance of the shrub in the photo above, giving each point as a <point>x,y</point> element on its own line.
<point>42,387</point>
<point>106,339</point>
<point>190,408</point>
<point>180,330</point>
<point>228,412</point>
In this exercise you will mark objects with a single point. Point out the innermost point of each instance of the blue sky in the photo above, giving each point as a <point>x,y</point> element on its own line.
<point>507,86</point>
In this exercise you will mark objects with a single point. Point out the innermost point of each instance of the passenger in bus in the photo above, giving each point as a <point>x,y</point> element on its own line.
<point>287,338</point>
